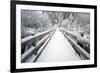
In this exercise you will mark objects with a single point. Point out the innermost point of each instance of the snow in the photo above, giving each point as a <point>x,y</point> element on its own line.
<point>58,49</point>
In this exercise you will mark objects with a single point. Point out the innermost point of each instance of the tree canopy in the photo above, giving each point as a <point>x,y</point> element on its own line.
<point>38,21</point>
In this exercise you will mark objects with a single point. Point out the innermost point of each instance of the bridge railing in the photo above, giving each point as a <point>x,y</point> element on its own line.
<point>34,58</point>
<point>32,40</point>
<point>28,43</point>
<point>82,52</point>
<point>81,41</point>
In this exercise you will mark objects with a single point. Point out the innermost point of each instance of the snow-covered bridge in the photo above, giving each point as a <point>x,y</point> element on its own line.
<point>53,47</point>
<point>58,49</point>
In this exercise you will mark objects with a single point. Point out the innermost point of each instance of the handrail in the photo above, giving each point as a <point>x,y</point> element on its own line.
<point>33,39</point>
<point>35,36</point>
<point>76,36</point>
<point>80,50</point>
<point>34,58</point>
<point>83,42</point>
<point>33,50</point>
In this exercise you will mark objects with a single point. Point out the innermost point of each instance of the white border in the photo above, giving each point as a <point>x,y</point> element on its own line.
<point>20,65</point>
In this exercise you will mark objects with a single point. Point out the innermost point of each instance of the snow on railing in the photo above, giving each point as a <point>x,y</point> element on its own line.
<point>32,40</point>
<point>83,42</point>
<point>34,49</point>
<point>83,53</point>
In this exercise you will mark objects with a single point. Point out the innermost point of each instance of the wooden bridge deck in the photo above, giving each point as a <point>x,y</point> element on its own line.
<point>58,49</point>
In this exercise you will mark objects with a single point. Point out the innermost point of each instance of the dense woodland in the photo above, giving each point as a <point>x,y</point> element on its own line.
<point>33,22</point>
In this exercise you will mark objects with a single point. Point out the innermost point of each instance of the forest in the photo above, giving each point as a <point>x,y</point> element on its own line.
<point>33,22</point>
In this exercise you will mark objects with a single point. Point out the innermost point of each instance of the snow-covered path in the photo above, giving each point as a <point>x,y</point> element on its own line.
<point>58,49</point>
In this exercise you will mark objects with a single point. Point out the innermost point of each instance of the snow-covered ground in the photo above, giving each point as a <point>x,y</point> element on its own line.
<point>58,49</point>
